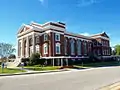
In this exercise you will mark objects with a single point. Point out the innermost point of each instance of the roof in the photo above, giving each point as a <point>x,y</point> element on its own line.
<point>100,34</point>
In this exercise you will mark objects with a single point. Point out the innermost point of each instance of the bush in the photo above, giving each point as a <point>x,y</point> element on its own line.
<point>26,61</point>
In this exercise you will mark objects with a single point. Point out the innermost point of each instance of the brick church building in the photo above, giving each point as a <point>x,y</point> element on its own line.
<point>56,44</point>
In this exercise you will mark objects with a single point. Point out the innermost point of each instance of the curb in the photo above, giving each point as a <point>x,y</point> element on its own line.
<point>35,72</point>
<point>49,71</point>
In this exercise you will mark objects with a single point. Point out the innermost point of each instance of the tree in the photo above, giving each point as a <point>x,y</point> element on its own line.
<point>11,56</point>
<point>6,49</point>
<point>117,49</point>
<point>34,59</point>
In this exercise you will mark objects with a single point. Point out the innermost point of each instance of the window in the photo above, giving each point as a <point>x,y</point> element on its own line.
<point>79,47</point>
<point>72,47</point>
<point>57,37</point>
<point>45,48</point>
<point>57,48</point>
<point>45,37</point>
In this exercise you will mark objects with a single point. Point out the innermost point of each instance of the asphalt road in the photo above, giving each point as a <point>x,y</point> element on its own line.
<point>68,80</point>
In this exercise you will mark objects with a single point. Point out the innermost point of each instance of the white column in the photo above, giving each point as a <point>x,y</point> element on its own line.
<point>33,42</point>
<point>67,61</point>
<point>27,48</point>
<point>61,62</point>
<point>53,62</point>
<point>22,45</point>
<point>18,48</point>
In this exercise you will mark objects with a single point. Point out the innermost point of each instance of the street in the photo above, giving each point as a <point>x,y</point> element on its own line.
<point>68,80</point>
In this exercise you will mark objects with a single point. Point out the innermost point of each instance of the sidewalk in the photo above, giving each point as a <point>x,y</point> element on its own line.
<point>33,72</point>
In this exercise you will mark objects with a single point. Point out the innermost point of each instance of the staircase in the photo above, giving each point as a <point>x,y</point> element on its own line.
<point>14,64</point>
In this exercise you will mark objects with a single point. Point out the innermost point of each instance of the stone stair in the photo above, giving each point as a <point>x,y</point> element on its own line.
<point>14,64</point>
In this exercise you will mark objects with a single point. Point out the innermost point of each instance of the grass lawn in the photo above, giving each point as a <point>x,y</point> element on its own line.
<point>7,70</point>
<point>36,68</point>
<point>100,64</point>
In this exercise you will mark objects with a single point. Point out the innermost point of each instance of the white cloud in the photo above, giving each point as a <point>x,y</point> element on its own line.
<point>42,1</point>
<point>85,34</point>
<point>82,3</point>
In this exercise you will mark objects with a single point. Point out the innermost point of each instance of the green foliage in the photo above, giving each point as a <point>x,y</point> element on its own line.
<point>117,49</point>
<point>11,56</point>
<point>6,49</point>
<point>34,59</point>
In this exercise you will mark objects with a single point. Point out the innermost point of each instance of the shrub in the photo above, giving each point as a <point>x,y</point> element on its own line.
<point>25,60</point>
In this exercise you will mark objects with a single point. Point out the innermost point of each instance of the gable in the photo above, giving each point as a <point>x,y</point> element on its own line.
<point>104,35</point>
<point>23,28</point>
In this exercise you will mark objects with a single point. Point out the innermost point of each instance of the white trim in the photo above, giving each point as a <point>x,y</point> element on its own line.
<point>64,57</point>
<point>77,35</point>
<point>26,35</point>
<point>54,27</point>
<point>77,38</point>
<point>23,26</point>
<point>101,37</point>
<point>57,32</point>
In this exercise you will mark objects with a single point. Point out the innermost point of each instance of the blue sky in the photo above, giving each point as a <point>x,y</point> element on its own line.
<point>81,16</point>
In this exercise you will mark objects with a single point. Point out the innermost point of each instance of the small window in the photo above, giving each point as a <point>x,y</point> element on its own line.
<point>45,37</point>
<point>57,37</point>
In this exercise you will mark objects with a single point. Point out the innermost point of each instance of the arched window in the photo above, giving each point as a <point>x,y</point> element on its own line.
<point>45,48</point>
<point>72,47</point>
<point>79,47</point>
<point>57,48</point>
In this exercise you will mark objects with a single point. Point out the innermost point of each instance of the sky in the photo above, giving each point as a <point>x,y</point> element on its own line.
<point>85,17</point>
